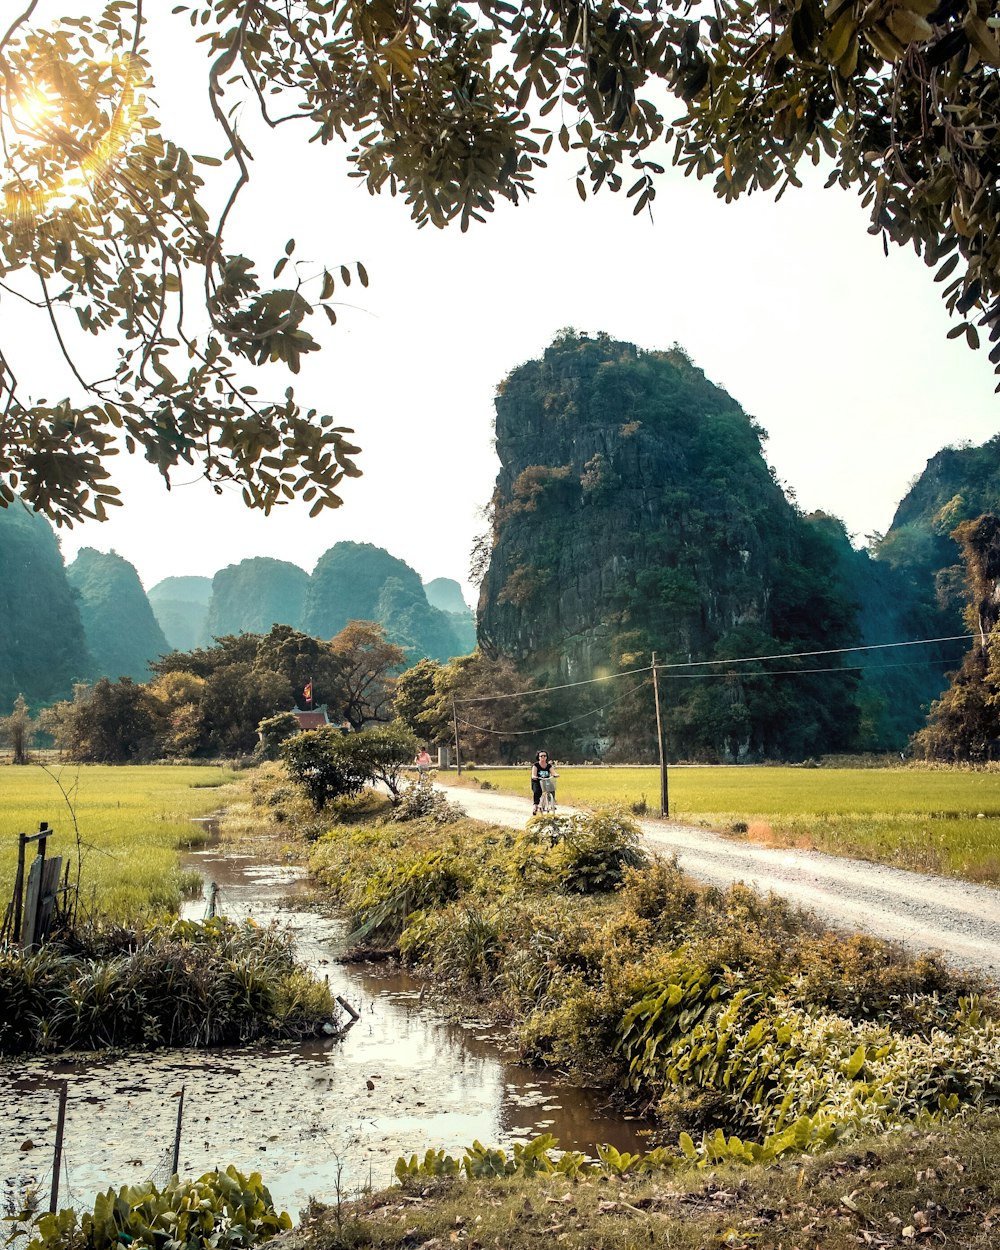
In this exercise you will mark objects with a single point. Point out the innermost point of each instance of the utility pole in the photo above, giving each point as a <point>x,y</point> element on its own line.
<point>458,749</point>
<point>664,798</point>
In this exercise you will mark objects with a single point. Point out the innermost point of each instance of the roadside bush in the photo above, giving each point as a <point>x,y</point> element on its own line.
<point>418,800</point>
<point>328,764</point>
<point>595,850</point>
<point>272,732</point>
<point>319,762</point>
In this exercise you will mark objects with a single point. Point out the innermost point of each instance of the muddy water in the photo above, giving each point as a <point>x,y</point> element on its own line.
<point>309,1117</point>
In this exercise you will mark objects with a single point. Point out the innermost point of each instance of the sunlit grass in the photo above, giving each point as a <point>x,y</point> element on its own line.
<point>932,820</point>
<point>132,822</point>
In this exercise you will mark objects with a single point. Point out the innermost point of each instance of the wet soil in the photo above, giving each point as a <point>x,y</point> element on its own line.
<point>313,1118</point>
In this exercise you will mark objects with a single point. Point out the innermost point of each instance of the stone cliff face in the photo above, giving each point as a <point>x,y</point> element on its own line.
<point>633,512</point>
<point>615,513</point>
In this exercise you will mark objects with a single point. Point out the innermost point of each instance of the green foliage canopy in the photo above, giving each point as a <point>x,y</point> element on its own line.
<point>451,108</point>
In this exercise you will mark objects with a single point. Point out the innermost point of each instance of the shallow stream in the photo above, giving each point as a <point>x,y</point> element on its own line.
<point>313,1118</point>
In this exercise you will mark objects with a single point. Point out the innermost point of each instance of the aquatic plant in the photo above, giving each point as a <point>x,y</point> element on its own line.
<point>218,1211</point>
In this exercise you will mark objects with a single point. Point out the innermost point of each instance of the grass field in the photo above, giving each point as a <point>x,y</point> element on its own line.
<point>132,821</point>
<point>932,820</point>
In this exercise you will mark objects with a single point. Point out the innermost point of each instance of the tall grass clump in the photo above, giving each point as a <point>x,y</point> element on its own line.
<point>214,983</point>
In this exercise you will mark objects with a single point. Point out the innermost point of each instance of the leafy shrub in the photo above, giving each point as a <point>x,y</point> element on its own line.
<point>595,850</point>
<point>330,765</point>
<point>419,800</point>
<point>319,761</point>
<point>272,732</point>
<point>218,1211</point>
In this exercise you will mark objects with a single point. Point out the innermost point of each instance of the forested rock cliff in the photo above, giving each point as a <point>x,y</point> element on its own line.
<point>362,582</point>
<point>181,607</point>
<point>633,512</point>
<point>123,634</point>
<point>250,597</point>
<point>42,645</point>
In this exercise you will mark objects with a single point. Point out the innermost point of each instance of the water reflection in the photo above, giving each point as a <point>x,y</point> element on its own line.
<point>310,1118</point>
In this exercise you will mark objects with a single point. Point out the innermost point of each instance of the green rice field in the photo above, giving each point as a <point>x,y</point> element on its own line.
<point>932,820</point>
<point>132,823</point>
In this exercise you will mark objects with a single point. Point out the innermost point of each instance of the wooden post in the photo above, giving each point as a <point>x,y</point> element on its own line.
<point>664,798</point>
<point>22,842</point>
<point>177,1135</point>
<point>34,891</point>
<point>57,1158</point>
<point>458,749</point>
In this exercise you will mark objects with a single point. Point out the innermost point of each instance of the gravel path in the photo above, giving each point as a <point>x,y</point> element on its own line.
<point>921,912</point>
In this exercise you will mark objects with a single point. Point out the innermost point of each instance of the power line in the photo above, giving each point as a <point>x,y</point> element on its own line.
<point>743,659</point>
<point>799,672</point>
<point>523,694</point>
<point>799,655</point>
<point>521,733</point>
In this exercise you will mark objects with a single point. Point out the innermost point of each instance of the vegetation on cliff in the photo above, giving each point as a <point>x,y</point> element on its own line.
<point>122,632</point>
<point>43,649</point>
<point>635,512</point>
<point>180,604</point>
<point>255,594</point>
<point>964,723</point>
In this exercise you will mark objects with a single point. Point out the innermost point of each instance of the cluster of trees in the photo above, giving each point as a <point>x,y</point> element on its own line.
<point>964,724</point>
<point>211,701</point>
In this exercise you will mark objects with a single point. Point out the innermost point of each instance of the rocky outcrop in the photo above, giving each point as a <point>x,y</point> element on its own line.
<point>122,632</point>
<point>250,597</point>
<point>634,511</point>
<point>180,604</point>
<point>42,646</point>
<point>445,594</point>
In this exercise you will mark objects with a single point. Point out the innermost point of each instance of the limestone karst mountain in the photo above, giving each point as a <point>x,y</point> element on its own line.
<point>181,607</point>
<point>634,512</point>
<point>122,633</point>
<point>42,645</point>
<point>255,594</point>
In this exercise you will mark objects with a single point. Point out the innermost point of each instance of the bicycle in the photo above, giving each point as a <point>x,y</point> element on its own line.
<point>547,800</point>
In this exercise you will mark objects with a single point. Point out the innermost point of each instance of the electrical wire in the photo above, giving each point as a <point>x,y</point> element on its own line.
<point>799,655</point>
<point>798,672</point>
<point>521,733</point>
<point>743,659</point>
<point>523,694</point>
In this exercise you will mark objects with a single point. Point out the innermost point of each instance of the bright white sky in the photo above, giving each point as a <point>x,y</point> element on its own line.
<point>837,351</point>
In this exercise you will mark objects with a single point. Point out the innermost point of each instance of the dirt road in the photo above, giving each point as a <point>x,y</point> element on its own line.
<point>921,912</point>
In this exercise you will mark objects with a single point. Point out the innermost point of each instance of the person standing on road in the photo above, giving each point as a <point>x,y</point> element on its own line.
<point>543,769</point>
<point>423,762</point>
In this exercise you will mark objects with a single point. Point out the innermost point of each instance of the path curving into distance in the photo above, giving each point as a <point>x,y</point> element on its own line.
<point>917,910</point>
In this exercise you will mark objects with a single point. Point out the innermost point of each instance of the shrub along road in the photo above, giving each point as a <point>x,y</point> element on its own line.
<point>919,911</point>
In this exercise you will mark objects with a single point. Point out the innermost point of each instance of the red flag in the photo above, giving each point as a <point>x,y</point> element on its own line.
<point>307,692</point>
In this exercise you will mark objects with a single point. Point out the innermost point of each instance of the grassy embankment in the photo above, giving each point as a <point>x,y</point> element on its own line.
<point>931,820</point>
<point>130,974</point>
<point>717,1010</point>
<point>132,824</point>
<point>901,1189</point>
<point>847,1036</point>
